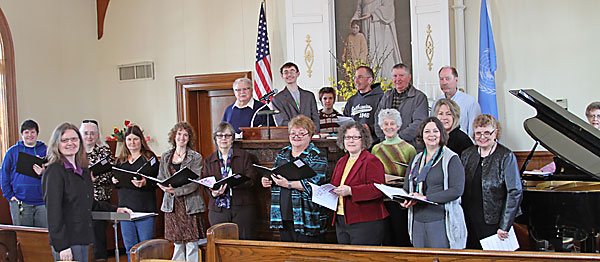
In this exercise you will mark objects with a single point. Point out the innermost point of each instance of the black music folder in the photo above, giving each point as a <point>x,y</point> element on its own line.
<point>125,176</point>
<point>292,171</point>
<point>101,167</point>
<point>25,164</point>
<point>150,168</point>
<point>180,178</point>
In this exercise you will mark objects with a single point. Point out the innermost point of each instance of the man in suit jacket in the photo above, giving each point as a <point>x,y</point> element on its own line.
<point>293,100</point>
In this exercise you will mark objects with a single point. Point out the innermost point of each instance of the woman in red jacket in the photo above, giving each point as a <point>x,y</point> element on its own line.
<point>360,214</point>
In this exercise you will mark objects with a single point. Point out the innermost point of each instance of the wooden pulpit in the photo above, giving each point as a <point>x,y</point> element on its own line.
<point>265,133</point>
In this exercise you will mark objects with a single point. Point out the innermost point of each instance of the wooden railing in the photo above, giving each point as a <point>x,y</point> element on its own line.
<point>223,245</point>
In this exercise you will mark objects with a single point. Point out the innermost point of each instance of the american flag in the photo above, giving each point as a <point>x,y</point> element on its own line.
<point>263,78</point>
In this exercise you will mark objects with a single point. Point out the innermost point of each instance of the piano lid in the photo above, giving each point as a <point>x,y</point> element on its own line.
<point>562,133</point>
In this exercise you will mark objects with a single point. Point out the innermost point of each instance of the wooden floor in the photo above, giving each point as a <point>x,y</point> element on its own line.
<point>122,258</point>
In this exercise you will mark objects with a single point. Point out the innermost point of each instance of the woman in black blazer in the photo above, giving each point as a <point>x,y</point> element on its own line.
<point>69,195</point>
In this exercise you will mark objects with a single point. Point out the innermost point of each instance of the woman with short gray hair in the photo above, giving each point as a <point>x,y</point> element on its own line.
<point>395,154</point>
<point>231,204</point>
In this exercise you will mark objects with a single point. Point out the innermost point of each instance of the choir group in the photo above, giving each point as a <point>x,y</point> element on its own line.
<point>452,158</point>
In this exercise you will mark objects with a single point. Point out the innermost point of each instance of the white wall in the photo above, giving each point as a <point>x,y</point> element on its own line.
<point>56,60</point>
<point>65,74</point>
<point>57,51</point>
<point>547,45</point>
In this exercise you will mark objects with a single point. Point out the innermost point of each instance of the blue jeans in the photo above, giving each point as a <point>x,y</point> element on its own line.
<point>31,216</point>
<point>134,232</point>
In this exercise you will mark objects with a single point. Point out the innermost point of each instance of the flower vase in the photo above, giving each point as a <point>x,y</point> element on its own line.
<point>120,146</point>
<point>112,144</point>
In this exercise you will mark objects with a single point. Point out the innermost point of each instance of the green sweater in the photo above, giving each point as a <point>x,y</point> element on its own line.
<point>394,149</point>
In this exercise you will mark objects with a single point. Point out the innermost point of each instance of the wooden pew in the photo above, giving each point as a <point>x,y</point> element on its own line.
<point>8,246</point>
<point>32,243</point>
<point>159,250</point>
<point>152,249</point>
<point>223,245</point>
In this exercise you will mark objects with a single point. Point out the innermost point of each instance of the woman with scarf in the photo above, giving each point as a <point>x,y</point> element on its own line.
<point>435,175</point>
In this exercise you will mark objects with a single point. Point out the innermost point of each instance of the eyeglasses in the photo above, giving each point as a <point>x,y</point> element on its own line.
<point>352,138</point>
<point>485,134</point>
<point>242,89</point>
<point>72,139</point>
<point>90,121</point>
<point>287,72</point>
<point>223,136</point>
<point>298,135</point>
<point>593,116</point>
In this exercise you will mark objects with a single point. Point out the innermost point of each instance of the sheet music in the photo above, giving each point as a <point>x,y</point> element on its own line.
<point>399,192</point>
<point>323,196</point>
<point>140,215</point>
<point>391,191</point>
<point>494,243</point>
<point>537,173</point>
<point>207,181</point>
<point>344,119</point>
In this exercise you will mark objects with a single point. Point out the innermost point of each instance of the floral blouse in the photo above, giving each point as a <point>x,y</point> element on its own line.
<point>102,184</point>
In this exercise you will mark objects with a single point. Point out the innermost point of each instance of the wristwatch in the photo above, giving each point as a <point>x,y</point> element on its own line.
<point>289,185</point>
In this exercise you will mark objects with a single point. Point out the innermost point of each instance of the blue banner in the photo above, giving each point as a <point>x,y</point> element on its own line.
<point>487,65</point>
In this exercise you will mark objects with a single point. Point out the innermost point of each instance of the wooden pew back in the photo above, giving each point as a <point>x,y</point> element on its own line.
<point>223,245</point>
<point>33,243</point>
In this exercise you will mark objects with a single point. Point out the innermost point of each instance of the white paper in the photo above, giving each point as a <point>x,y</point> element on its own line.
<point>207,181</point>
<point>537,173</point>
<point>298,163</point>
<point>344,119</point>
<point>494,243</point>
<point>323,196</point>
<point>136,215</point>
<point>395,191</point>
<point>391,191</point>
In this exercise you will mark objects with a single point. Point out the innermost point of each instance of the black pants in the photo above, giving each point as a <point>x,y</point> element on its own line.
<point>362,233</point>
<point>243,216</point>
<point>288,234</point>
<point>396,233</point>
<point>99,246</point>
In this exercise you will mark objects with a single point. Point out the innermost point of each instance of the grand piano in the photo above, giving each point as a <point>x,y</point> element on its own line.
<point>562,208</point>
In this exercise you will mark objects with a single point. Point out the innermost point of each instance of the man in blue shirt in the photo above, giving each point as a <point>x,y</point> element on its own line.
<point>469,108</point>
<point>24,192</point>
<point>242,113</point>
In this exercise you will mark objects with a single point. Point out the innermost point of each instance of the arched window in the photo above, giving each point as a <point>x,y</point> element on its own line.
<point>8,94</point>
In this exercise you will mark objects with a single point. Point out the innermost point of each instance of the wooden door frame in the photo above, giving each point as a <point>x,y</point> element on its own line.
<point>188,88</point>
<point>186,84</point>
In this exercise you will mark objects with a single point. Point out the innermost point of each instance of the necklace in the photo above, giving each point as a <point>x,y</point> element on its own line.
<point>179,156</point>
<point>488,153</point>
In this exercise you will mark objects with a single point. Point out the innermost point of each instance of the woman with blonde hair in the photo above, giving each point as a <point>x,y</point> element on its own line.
<point>68,194</point>
<point>448,112</point>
